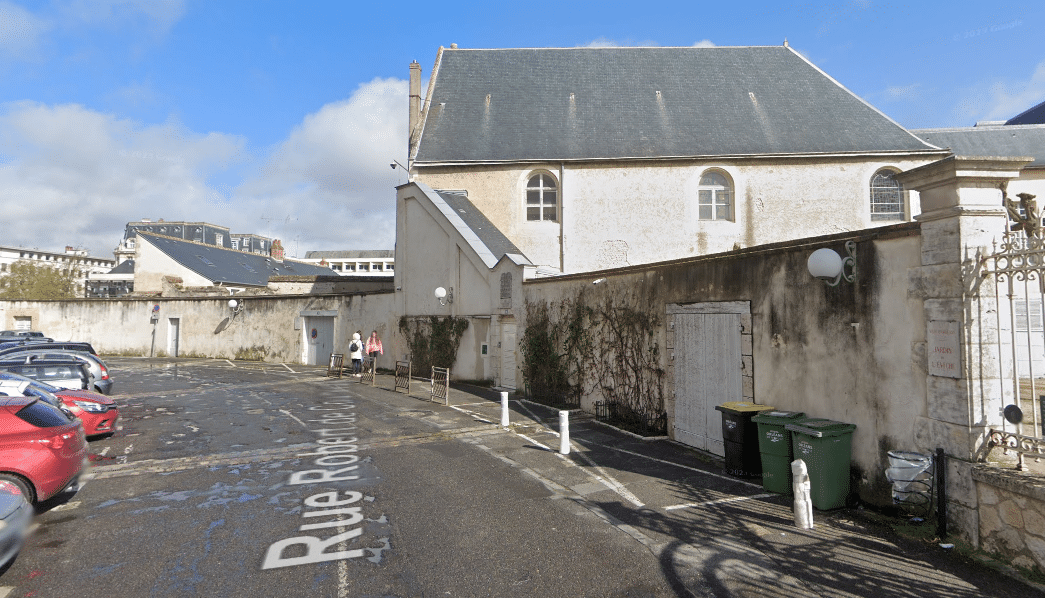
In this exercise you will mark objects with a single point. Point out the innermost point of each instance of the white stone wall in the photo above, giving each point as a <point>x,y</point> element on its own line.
<point>1012,515</point>
<point>271,327</point>
<point>619,214</point>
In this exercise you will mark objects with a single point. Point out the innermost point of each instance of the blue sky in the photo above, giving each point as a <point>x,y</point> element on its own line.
<point>281,118</point>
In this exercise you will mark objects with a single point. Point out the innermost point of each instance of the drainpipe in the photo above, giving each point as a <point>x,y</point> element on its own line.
<point>562,218</point>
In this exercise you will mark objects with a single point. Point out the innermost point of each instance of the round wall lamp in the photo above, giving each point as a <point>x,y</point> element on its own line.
<point>444,296</point>
<point>829,267</point>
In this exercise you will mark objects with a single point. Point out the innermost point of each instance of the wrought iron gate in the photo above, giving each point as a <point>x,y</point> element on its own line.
<point>1017,268</point>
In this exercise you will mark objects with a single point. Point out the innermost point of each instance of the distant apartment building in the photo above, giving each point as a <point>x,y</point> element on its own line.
<point>72,259</point>
<point>200,232</point>
<point>367,262</point>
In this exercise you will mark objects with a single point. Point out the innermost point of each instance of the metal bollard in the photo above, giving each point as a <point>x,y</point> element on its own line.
<point>504,410</point>
<point>564,432</point>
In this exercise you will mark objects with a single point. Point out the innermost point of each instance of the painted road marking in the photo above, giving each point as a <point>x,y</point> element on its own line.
<point>288,368</point>
<point>719,501</point>
<point>291,416</point>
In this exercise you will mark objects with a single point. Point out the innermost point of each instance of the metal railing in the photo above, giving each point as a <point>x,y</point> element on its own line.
<point>626,418</point>
<point>402,380</point>
<point>1018,444</point>
<point>337,361</point>
<point>441,384</point>
<point>369,368</point>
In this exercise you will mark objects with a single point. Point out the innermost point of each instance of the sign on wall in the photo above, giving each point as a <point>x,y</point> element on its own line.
<point>943,349</point>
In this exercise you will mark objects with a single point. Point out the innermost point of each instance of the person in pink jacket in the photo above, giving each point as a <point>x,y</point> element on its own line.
<point>373,345</point>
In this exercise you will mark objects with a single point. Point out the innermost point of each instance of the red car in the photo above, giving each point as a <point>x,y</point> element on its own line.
<point>98,412</point>
<point>42,450</point>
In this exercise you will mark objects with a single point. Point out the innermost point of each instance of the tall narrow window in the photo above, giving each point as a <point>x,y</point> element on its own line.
<point>715,197</point>
<point>886,196</point>
<point>542,198</point>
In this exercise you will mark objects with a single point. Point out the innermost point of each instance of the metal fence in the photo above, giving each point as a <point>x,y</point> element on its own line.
<point>1017,269</point>
<point>369,367</point>
<point>626,418</point>
<point>441,384</point>
<point>337,361</point>
<point>402,380</point>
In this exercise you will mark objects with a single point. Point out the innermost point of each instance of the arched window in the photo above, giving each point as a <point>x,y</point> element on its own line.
<point>542,198</point>
<point>715,197</point>
<point>886,196</point>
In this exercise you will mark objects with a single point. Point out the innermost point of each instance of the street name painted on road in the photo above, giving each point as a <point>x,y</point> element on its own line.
<point>337,461</point>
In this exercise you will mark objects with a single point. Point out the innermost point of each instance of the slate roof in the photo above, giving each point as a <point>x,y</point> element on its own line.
<point>552,104</point>
<point>124,267</point>
<point>1005,140</point>
<point>1033,116</point>
<point>229,266</point>
<point>362,254</point>
<point>488,234</point>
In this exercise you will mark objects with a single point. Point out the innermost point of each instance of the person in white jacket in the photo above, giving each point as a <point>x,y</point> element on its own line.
<point>355,353</point>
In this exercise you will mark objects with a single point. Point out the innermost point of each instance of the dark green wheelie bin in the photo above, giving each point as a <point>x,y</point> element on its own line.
<point>774,446</point>
<point>740,436</point>
<point>826,446</point>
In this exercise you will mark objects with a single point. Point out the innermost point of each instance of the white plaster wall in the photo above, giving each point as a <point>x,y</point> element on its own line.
<point>619,214</point>
<point>270,326</point>
<point>151,265</point>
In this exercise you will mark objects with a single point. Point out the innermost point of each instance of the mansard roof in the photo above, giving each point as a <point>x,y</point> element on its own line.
<point>572,104</point>
<point>230,266</point>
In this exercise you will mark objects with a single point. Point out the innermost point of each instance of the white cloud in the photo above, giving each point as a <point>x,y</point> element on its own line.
<point>902,92</point>
<point>20,30</point>
<point>704,43</point>
<point>1008,100</point>
<point>159,15</point>
<point>73,176</point>
<point>331,176</point>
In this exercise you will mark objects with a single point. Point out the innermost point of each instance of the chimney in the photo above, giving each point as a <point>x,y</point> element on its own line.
<point>415,106</point>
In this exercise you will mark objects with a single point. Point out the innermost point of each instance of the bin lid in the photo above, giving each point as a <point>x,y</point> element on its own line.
<point>742,407</point>
<point>777,417</point>
<point>820,428</point>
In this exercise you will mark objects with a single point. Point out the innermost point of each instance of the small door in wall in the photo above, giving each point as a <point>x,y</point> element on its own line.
<point>707,373</point>
<point>173,336</point>
<point>319,339</point>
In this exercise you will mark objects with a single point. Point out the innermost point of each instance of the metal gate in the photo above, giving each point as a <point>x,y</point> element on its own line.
<point>1017,268</point>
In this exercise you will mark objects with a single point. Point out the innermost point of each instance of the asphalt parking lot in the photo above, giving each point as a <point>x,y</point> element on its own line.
<point>246,479</point>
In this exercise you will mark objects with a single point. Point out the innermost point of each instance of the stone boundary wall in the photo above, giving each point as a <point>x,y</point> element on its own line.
<point>269,328</point>
<point>1011,514</point>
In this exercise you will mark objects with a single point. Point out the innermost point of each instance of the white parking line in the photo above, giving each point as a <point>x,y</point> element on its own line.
<point>288,367</point>
<point>719,501</point>
<point>291,416</point>
<point>230,363</point>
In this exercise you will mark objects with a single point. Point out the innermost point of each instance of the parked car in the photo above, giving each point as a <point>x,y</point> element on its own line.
<point>65,373</point>
<point>46,343</point>
<point>102,382</point>
<point>98,412</point>
<point>15,515</point>
<point>42,450</point>
<point>22,333</point>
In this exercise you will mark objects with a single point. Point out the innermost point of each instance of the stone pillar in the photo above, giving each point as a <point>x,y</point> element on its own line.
<point>961,215</point>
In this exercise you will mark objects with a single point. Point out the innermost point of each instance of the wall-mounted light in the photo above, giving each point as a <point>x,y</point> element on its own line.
<point>444,296</point>
<point>598,281</point>
<point>235,306</point>
<point>829,267</point>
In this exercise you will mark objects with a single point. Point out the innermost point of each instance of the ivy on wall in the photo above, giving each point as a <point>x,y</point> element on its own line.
<point>432,341</point>
<point>571,348</point>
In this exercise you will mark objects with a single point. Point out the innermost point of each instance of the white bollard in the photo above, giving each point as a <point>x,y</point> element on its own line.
<point>564,432</point>
<point>504,410</point>
<point>801,487</point>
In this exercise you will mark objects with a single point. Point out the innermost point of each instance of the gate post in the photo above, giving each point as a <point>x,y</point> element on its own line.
<point>961,215</point>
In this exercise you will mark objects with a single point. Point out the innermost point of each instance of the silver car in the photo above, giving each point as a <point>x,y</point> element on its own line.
<point>102,382</point>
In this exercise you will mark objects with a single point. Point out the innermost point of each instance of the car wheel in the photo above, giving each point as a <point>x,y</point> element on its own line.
<point>22,484</point>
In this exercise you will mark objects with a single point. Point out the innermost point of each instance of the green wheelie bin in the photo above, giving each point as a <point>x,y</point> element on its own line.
<point>774,445</point>
<point>740,437</point>
<point>826,446</point>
